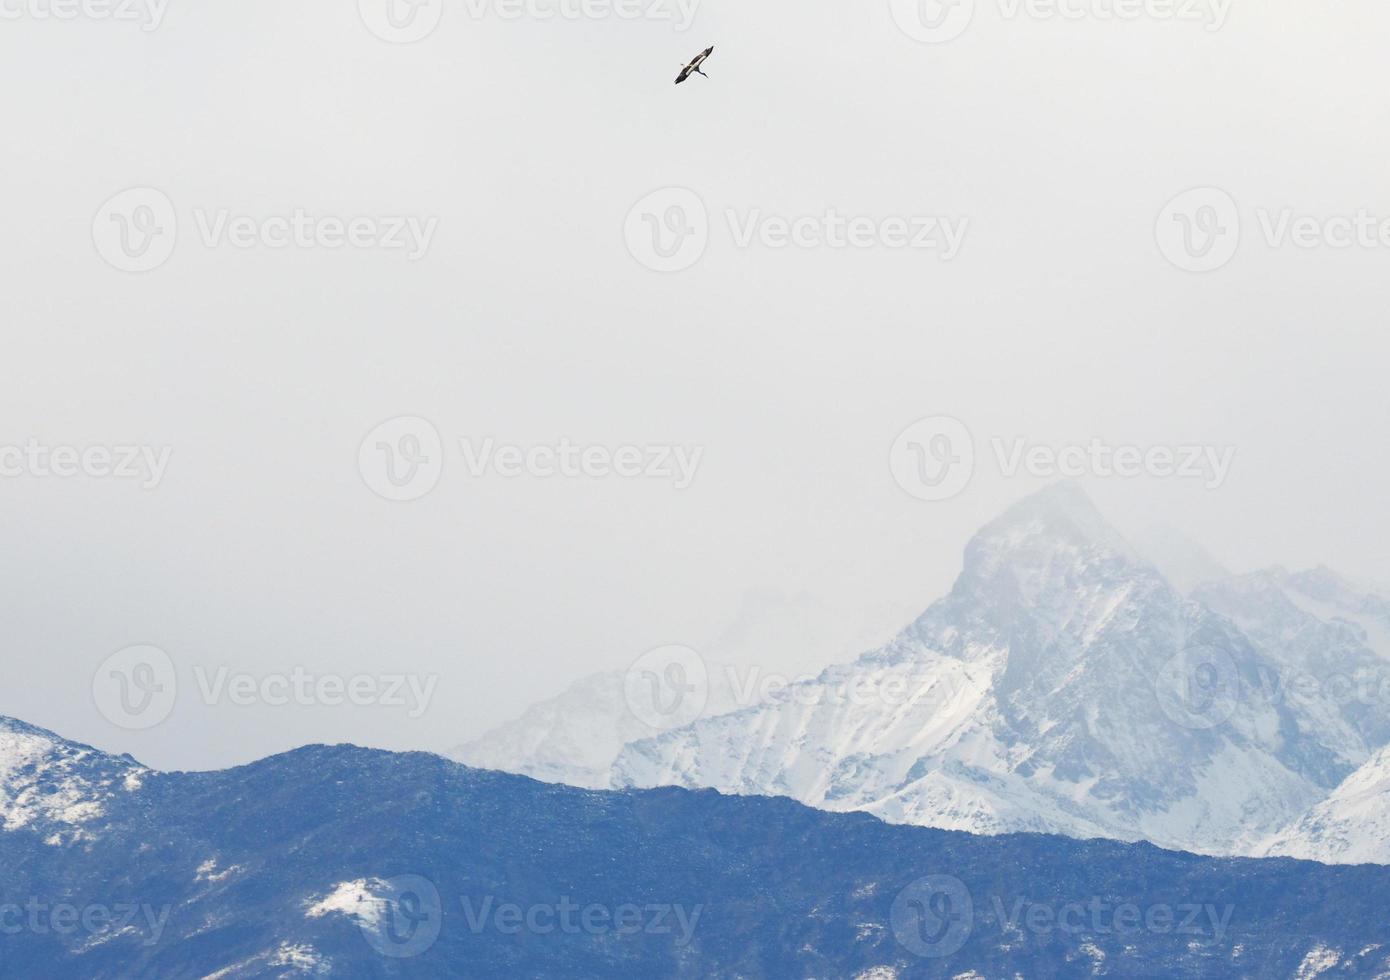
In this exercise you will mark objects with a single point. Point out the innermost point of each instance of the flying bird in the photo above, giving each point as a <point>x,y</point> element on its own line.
<point>694,67</point>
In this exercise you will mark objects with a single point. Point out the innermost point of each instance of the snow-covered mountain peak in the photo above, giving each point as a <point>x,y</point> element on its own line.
<point>575,736</point>
<point>1063,686</point>
<point>1064,509</point>
<point>54,786</point>
<point>1047,568</point>
<point>1044,543</point>
<point>570,738</point>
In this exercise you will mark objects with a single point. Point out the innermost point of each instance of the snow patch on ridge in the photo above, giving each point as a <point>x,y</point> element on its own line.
<point>360,900</point>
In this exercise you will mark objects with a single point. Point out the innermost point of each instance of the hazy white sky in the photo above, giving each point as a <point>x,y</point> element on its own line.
<point>1064,320</point>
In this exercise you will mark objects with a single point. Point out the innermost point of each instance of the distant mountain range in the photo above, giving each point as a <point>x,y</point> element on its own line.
<point>1064,686</point>
<point>576,736</point>
<point>347,862</point>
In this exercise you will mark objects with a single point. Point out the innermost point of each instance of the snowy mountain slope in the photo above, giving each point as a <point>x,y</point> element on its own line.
<point>347,862</point>
<point>1179,559</point>
<point>1351,826</point>
<point>1327,595</point>
<point>570,738</point>
<point>1328,649</point>
<point>1062,686</point>
<point>576,736</point>
<point>54,787</point>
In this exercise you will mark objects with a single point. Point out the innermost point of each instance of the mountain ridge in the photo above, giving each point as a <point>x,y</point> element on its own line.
<point>350,862</point>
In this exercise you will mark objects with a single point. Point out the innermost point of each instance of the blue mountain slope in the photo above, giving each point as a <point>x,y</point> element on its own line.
<point>350,862</point>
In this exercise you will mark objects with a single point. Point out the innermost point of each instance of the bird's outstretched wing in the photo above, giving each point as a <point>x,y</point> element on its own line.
<point>695,63</point>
